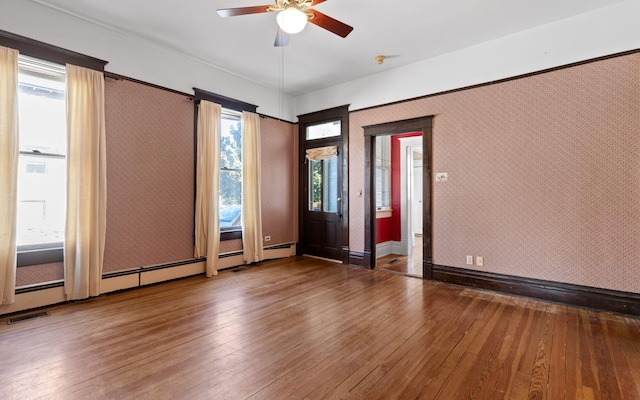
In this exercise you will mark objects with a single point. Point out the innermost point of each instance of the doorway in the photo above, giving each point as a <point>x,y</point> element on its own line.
<point>421,125</point>
<point>399,203</point>
<point>323,215</point>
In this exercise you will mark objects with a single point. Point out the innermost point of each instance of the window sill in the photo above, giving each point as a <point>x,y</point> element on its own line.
<point>40,256</point>
<point>230,235</point>
<point>384,213</point>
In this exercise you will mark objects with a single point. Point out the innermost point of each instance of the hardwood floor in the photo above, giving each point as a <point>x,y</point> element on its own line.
<point>409,265</point>
<point>305,328</point>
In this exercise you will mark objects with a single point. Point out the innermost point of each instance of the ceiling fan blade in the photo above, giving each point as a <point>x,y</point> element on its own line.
<point>282,38</point>
<point>328,23</point>
<point>232,12</point>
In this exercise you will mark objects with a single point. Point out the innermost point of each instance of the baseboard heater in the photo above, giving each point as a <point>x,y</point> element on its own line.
<point>50,293</point>
<point>141,271</point>
<point>183,269</point>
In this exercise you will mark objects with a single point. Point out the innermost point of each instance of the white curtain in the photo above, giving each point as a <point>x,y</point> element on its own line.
<point>208,185</point>
<point>251,205</point>
<point>322,153</point>
<point>86,183</point>
<point>8,172</point>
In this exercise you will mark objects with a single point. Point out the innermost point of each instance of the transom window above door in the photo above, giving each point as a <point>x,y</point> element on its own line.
<point>324,130</point>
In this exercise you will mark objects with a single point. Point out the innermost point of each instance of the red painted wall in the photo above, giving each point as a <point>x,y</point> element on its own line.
<point>384,228</point>
<point>388,229</point>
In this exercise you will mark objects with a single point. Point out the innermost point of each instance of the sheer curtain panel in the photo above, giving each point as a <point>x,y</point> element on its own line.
<point>251,203</point>
<point>86,183</point>
<point>208,185</point>
<point>8,172</point>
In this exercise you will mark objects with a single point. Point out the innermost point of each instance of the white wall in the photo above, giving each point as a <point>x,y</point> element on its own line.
<point>136,58</point>
<point>598,33</point>
<point>601,32</point>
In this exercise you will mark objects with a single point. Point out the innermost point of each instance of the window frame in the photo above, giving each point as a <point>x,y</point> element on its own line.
<point>49,252</point>
<point>383,164</point>
<point>226,112</point>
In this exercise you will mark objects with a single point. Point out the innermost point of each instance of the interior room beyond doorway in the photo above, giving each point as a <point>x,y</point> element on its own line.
<point>398,190</point>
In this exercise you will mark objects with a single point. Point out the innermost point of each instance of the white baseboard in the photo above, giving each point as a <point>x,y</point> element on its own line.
<point>383,249</point>
<point>391,247</point>
<point>230,262</point>
<point>281,252</point>
<point>166,274</point>
<point>35,299</point>
<point>399,248</point>
<point>116,283</point>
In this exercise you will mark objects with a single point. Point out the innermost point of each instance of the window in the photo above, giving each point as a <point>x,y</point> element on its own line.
<point>383,173</point>
<point>42,160</point>
<point>325,130</point>
<point>230,171</point>
<point>230,197</point>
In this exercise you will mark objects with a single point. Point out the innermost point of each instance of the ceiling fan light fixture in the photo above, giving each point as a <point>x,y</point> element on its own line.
<point>291,20</point>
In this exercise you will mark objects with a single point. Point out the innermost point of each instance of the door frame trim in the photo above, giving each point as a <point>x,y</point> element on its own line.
<point>421,124</point>
<point>332,114</point>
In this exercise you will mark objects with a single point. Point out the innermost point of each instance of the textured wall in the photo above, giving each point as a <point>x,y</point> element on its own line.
<point>150,176</point>
<point>279,173</point>
<point>32,274</point>
<point>543,174</point>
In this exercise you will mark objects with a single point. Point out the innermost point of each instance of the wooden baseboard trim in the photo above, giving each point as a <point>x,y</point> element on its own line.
<point>575,295</point>
<point>356,258</point>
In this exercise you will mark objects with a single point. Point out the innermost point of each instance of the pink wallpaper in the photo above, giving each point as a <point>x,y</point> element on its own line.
<point>279,175</point>
<point>543,174</point>
<point>33,274</point>
<point>150,176</point>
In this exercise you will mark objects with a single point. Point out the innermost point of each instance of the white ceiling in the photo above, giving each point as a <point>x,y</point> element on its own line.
<point>405,31</point>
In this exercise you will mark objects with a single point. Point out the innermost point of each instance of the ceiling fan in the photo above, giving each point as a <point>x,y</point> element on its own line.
<point>292,18</point>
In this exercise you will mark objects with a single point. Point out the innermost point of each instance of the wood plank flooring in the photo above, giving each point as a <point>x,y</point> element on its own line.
<point>408,265</point>
<point>304,328</point>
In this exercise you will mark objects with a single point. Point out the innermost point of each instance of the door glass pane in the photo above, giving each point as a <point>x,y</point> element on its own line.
<point>315,184</point>
<point>325,130</point>
<point>331,185</point>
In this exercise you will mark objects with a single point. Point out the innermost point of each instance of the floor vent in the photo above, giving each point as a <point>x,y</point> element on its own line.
<point>239,269</point>
<point>28,317</point>
<point>395,260</point>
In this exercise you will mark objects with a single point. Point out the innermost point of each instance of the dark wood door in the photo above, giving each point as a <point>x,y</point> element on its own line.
<point>322,211</point>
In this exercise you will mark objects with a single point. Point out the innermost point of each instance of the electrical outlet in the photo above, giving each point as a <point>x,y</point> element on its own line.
<point>469,260</point>
<point>267,238</point>
<point>480,261</point>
